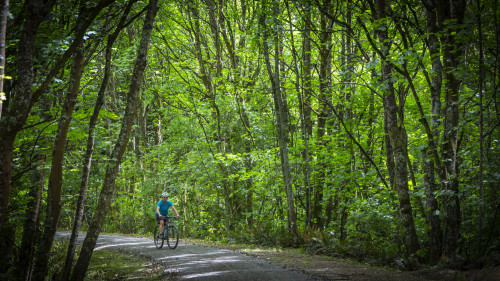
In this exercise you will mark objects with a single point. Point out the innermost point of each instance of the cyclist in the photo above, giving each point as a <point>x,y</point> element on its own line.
<point>162,210</point>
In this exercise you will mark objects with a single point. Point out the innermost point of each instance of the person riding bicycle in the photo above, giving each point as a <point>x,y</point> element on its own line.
<point>162,210</point>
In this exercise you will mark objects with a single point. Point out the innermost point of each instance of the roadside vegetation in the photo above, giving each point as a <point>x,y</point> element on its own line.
<point>108,265</point>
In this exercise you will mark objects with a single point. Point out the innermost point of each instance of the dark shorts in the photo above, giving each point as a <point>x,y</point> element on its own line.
<point>158,218</point>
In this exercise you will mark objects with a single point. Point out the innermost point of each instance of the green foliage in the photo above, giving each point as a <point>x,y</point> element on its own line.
<point>208,137</point>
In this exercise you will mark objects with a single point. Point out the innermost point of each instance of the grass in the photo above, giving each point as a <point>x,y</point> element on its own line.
<point>114,265</point>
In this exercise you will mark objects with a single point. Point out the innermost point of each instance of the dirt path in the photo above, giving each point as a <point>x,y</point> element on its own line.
<point>202,262</point>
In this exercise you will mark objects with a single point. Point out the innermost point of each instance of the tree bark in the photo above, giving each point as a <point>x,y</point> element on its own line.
<point>325,69</point>
<point>450,16</point>
<point>305,137</point>
<point>432,207</point>
<point>55,178</point>
<point>14,117</point>
<point>482,86</point>
<point>90,145</point>
<point>31,225</point>
<point>120,146</point>
<point>305,103</point>
<point>281,124</point>
<point>397,138</point>
<point>230,197</point>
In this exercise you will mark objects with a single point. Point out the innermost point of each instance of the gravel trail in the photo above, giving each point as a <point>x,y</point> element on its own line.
<point>193,262</point>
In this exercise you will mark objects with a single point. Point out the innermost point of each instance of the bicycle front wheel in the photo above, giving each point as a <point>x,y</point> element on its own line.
<point>157,238</point>
<point>172,237</point>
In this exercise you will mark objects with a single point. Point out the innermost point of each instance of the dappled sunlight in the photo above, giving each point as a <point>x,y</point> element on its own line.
<point>201,275</point>
<point>214,264</point>
<point>119,245</point>
<point>194,262</point>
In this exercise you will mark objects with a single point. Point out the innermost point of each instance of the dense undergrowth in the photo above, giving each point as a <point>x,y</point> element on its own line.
<point>378,250</point>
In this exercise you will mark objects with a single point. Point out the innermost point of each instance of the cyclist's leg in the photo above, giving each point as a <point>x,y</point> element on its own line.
<point>160,221</point>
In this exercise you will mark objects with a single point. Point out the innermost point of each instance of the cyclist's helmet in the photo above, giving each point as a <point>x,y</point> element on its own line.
<point>164,194</point>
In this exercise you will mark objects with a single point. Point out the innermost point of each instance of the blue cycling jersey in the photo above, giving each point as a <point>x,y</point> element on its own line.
<point>164,207</point>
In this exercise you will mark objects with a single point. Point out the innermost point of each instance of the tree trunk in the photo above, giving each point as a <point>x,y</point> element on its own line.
<point>14,117</point>
<point>120,146</point>
<point>235,58</point>
<point>304,106</point>
<point>302,113</point>
<point>55,178</point>
<point>31,224</point>
<point>3,32</point>
<point>482,87</point>
<point>282,126</point>
<point>87,162</point>
<point>323,113</point>
<point>453,11</point>
<point>211,94</point>
<point>397,138</point>
<point>432,208</point>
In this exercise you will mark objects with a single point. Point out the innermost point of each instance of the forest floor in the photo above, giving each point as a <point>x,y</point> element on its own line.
<point>332,268</point>
<point>201,260</point>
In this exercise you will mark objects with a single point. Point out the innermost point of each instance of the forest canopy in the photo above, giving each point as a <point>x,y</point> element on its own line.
<point>365,128</point>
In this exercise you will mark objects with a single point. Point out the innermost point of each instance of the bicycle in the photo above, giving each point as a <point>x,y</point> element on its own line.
<point>170,233</point>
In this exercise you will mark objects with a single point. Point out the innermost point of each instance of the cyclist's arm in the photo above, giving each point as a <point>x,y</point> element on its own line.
<point>173,208</point>
<point>158,211</point>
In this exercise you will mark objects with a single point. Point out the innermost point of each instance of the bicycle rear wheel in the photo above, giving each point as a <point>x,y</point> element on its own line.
<point>157,238</point>
<point>172,237</point>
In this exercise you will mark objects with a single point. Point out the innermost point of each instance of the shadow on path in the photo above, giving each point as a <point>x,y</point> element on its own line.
<point>193,262</point>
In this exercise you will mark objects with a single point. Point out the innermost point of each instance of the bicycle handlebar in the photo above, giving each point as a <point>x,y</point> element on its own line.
<point>169,217</point>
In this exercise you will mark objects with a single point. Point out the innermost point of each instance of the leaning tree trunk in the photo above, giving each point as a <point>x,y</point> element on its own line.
<point>120,146</point>
<point>55,178</point>
<point>90,145</point>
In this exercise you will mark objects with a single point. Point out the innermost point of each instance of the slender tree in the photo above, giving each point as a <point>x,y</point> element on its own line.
<point>395,128</point>
<point>55,179</point>
<point>281,124</point>
<point>3,32</point>
<point>450,17</point>
<point>90,143</point>
<point>120,146</point>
